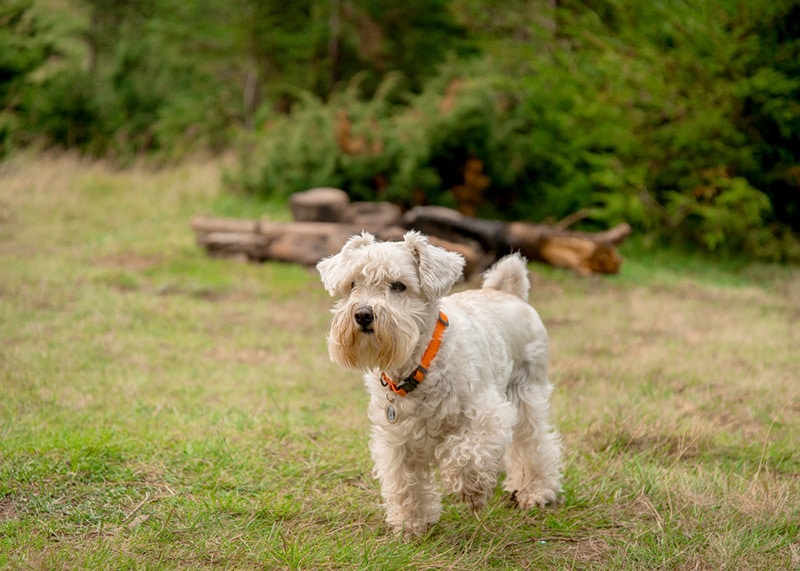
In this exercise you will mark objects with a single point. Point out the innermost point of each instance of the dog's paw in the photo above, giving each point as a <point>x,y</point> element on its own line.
<point>410,530</point>
<point>534,498</point>
<point>475,500</point>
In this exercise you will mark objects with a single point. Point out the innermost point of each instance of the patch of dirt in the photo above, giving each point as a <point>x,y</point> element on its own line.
<point>8,509</point>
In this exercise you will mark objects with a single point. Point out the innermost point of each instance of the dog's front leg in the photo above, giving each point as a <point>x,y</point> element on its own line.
<point>410,497</point>
<point>470,459</point>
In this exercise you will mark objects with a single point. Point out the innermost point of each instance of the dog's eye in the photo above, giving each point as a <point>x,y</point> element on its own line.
<point>397,287</point>
<point>352,285</point>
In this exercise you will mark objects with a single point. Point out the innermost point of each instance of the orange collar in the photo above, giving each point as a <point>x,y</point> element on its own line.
<point>410,382</point>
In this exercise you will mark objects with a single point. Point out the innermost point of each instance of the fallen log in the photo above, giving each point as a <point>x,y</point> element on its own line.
<point>327,221</point>
<point>258,240</point>
<point>304,243</point>
<point>583,252</point>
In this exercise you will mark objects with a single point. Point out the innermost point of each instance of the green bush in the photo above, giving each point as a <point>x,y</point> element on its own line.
<point>535,140</point>
<point>24,48</point>
<point>649,153</point>
<point>709,87</point>
<point>67,109</point>
<point>725,211</point>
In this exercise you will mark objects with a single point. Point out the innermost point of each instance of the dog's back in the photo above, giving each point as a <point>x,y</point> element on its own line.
<point>510,275</point>
<point>497,323</point>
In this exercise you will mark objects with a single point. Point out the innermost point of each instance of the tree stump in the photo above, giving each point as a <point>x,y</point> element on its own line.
<point>374,216</point>
<point>319,205</point>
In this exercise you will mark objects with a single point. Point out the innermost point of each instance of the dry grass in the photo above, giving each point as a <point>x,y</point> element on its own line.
<point>161,409</point>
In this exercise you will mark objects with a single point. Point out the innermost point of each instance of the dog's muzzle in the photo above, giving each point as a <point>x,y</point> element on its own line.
<point>364,316</point>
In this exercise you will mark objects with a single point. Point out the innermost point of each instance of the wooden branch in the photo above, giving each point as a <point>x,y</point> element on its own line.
<point>615,235</point>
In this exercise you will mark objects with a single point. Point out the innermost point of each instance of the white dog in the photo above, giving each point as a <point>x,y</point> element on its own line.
<point>457,381</point>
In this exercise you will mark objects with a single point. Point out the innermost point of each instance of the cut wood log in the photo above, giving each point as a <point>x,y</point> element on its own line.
<point>333,205</point>
<point>374,216</point>
<point>481,242</point>
<point>319,205</point>
<point>451,225</point>
<point>475,257</point>
<point>573,250</point>
<point>206,224</point>
<point>583,252</point>
<point>258,240</point>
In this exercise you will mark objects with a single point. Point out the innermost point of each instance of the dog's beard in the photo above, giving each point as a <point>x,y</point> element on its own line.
<point>388,346</point>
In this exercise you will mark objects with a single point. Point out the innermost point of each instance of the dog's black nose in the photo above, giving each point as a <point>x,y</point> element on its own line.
<point>364,316</point>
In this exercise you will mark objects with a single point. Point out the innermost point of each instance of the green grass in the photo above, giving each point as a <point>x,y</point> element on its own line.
<point>161,409</point>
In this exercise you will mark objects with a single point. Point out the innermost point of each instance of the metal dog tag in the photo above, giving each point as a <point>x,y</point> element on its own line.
<point>391,413</point>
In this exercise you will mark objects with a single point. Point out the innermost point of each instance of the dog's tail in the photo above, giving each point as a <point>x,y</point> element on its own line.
<point>510,275</point>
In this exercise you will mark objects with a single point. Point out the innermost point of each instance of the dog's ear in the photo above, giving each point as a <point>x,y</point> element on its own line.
<point>358,241</point>
<point>335,270</point>
<point>439,269</point>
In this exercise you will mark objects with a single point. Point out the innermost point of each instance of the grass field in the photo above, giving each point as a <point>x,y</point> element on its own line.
<point>163,410</point>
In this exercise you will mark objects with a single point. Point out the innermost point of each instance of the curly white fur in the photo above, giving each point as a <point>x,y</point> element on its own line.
<point>483,406</point>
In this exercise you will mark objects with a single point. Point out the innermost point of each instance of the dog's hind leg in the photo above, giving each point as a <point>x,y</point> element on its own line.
<point>533,461</point>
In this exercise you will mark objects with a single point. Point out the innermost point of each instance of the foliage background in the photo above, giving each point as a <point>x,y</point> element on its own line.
<point>680,117</point>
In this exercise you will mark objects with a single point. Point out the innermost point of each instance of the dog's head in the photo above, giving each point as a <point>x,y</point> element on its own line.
<point>389,294</point>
